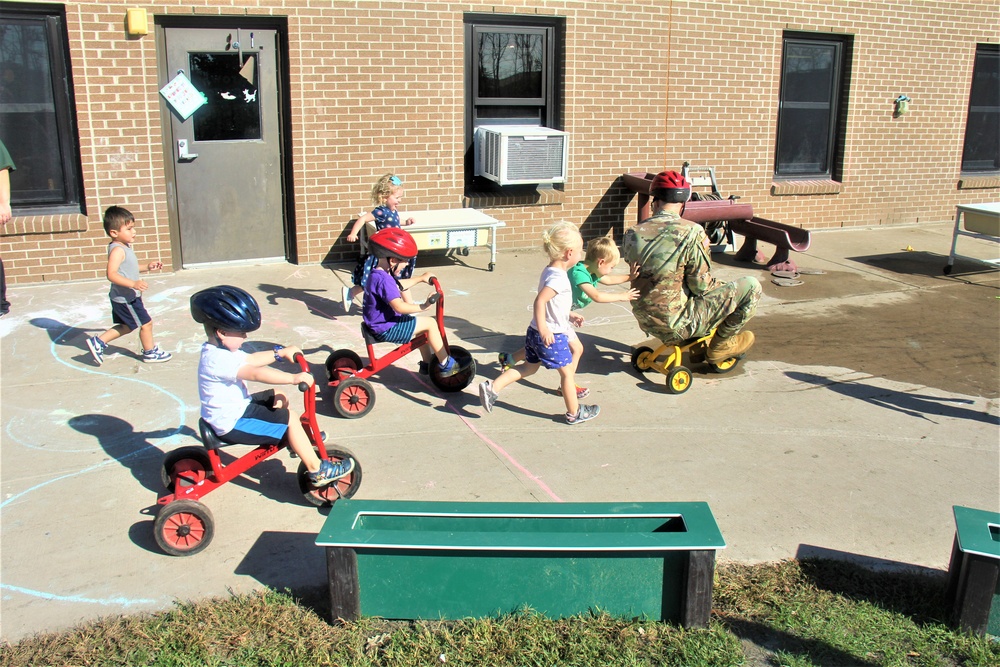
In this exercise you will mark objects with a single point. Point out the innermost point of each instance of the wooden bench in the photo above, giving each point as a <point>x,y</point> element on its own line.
<point>449,229</point>
<point>739,218</point>
<point>454,560</point>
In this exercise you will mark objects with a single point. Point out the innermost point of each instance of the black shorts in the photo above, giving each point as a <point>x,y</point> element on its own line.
<point>261,423</point>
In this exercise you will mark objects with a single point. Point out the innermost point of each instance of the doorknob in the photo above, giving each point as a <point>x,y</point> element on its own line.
<point>182,151</point>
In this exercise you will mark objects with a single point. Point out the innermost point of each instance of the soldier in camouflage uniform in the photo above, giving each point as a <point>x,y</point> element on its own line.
<point>678,297</point>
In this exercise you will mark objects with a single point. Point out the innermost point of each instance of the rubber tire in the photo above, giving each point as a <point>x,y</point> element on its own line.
<point>194,459</point>
<point>459,381</point>
<point>640,360</point>
<point>328,495</point>
<point>678,380</point>
<point>353,398</point>
<point>725,366</point>
<point>187,516</point>
<point>344,359</point>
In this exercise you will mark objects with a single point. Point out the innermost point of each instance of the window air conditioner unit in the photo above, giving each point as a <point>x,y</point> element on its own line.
<point>516,154</point>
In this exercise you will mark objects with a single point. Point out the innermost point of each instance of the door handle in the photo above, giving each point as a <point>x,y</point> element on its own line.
<point>182,151</point>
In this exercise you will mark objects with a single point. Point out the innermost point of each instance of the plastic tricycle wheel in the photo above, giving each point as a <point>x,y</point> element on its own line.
<point>342,364</point>
<point>353,398</point>
<point>678,380</point>
<point>189,465</point>
<point>345,487</point>
<point>184,527</point>
<point>725,366</point>
<point>460,380</point>
<point>642,357</point>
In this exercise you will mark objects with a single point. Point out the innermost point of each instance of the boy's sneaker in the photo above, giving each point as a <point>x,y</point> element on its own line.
<point>581,392</point>
<point>583,414</point>
<point>450,367</point>
<point>155,356</point>
<point>330,471</point>
<point>423,368</point>
<point>97,348</point>
<point>345,296</point>
<point>487,397</point>
<point>506,360</point>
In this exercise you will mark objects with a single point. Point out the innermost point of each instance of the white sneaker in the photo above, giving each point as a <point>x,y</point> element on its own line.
<point>345,296</point>
<point>487,397</point>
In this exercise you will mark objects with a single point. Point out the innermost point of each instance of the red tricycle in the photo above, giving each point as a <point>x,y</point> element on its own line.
<point>184,526</point>
<point>354,395</point>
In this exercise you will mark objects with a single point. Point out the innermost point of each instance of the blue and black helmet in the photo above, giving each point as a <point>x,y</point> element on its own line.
<point>227,308</point>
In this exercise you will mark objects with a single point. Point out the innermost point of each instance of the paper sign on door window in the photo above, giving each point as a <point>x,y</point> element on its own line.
<point>181,94</point>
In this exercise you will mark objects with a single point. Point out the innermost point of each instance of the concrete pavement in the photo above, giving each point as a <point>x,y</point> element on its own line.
<point>868,407</point>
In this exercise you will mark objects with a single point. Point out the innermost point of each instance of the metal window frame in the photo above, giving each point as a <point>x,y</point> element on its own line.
<point>988,51</point>
<point>53,19</point>
<point>834,108</point>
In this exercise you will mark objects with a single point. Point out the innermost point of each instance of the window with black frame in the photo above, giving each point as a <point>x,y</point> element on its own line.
<point>810,100</point>
<point>37,111</point>
<point>981,152</point>
<point>511,74</point>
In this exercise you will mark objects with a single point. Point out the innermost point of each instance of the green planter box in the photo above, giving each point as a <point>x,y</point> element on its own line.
<point>441,560</point>
<point>974,571</point>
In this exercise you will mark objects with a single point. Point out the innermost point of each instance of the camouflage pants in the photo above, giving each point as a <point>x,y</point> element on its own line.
<point>728,307</point>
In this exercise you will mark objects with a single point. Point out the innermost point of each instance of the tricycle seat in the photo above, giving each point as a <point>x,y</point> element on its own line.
<point>209,437</point>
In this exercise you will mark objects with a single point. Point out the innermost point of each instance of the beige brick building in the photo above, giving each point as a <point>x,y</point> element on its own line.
<point>792,103</point>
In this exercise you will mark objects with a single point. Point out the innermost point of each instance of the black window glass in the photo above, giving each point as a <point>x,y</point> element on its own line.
<point>982,128</point>
<point>230,85</point>
<point>510,64</point>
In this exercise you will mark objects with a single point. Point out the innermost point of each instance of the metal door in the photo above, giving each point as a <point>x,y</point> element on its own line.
<point>227,154</point>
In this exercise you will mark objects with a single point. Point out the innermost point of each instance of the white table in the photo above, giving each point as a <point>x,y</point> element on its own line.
<point>448,229</point>
<point>982,221</point>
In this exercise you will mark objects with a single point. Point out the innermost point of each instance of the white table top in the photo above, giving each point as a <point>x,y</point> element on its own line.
<point>992,207</point>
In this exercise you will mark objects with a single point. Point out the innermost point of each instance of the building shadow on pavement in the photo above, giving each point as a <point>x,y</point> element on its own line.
<point>922,406</point>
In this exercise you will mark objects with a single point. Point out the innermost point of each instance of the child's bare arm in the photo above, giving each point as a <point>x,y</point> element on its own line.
<point>406,308</point>
<point>115,260</point>
<point>615,279</point>
<point>424,277</point>
<point>257,368</point>
<point>352,235</point>
<point>608,297</point>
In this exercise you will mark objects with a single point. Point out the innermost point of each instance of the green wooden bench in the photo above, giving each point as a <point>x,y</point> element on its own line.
<point>974,571</point>
<point>453,560</point>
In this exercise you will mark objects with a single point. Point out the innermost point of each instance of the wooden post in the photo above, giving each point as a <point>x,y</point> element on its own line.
<point>342,570</point>
<point>696,597</point>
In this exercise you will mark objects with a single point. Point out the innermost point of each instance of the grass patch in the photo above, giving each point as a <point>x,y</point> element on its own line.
<point>795,613</point>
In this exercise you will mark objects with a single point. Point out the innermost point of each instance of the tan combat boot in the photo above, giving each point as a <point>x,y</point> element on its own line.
<point>721,349</point>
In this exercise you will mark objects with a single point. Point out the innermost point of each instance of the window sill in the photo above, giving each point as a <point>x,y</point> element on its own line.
<point>979,182</point>
<point>813,187</point>
<point>514,198</point>
<point>29,223</point>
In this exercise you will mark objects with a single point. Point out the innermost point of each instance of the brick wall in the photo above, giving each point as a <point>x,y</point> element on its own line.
<point>378,86</point>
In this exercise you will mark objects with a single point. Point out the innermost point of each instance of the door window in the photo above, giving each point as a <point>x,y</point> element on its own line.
<point>232,112</point>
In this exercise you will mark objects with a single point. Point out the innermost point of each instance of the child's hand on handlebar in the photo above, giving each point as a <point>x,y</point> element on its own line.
<point>288,352</point>
<point>431,300</point>
<point>304,378</point>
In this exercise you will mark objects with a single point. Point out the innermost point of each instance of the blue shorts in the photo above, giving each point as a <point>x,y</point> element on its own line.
<point>400,332</point>
<point>132,314</point>
<point>261,423</point>
<point>556,355</point>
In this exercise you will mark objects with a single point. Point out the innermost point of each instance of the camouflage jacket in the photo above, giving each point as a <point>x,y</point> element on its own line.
<point>674,267</point>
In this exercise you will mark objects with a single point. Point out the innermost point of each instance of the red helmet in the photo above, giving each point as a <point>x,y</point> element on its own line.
<point>393,242</point>
<point>671,187</point>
